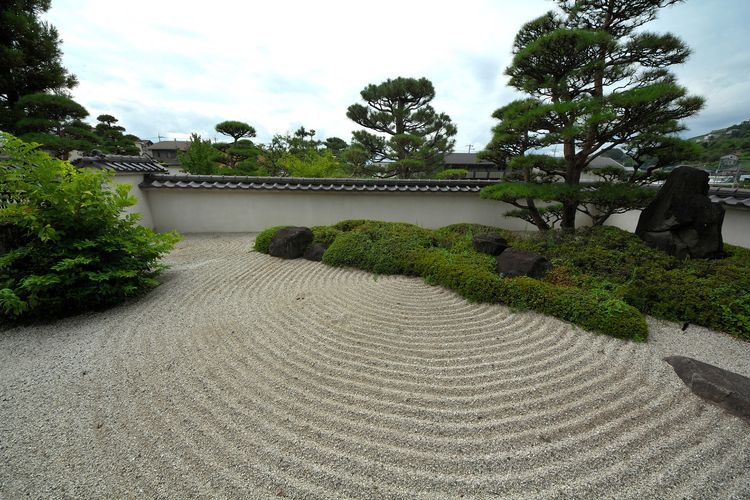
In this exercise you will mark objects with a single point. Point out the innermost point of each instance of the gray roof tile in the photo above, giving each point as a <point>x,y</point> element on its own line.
<point>303,184</point>
<point>730,197</point>
<point>124,164</point>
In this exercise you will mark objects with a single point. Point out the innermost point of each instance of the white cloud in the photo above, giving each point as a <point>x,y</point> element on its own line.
<point>172,68</point>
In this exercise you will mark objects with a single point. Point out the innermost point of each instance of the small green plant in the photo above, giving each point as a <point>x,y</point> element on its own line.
<point>71,247</point>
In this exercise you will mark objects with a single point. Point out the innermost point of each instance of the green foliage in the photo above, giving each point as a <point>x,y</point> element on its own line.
<point>263,238</point>
<point>75,250</point>
<point>234,129</point>
<point>30,57</point>
<point>411,138</point>
<point>452,173</point>
<point>200,158</point>
<point>595,81</point>
<point>324,234</point>
<point>446,257</point>
<point>379,247</point>
<point>55,121</point>
<point>711,293</point>
<point>111,137</point>
<point>312,164</point>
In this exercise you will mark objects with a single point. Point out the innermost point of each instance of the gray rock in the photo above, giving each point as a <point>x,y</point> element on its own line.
<point>489,243</point>
<point>290,242</point>
<point>315,251</point>
<point>726,389</point>
<point>517,262</point>
<point>682,220</point>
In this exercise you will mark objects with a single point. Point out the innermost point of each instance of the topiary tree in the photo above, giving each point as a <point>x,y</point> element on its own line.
<point>596,81</point>
<point>413,137</point>
<point>72,248</point>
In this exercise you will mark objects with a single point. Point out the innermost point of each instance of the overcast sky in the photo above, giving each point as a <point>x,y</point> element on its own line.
<point>170,68</point>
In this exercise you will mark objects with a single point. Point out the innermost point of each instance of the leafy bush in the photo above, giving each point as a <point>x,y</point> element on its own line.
<point>73,248</point>
<point>263,238</point>
<point>379,247</point>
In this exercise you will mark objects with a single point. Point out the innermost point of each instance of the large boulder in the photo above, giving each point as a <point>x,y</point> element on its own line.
<point>489,243</point>
<point>290,242</point>
<point>517,262</point>
<point>726,389</point>
<point>682,220</point>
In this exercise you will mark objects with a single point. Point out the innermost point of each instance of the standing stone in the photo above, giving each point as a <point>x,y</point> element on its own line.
<point>290,242</point>
<point>489,243</point>
<point>682,220</point>
<point>517,262</point>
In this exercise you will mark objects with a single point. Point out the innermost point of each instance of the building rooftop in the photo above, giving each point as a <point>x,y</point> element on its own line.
<point>118,163</point>
<point>309,184</point>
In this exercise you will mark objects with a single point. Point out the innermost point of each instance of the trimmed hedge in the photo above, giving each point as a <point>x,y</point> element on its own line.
<point>446,257</point>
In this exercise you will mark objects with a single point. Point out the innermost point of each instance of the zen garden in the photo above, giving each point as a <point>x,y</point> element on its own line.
<point>383,359</point>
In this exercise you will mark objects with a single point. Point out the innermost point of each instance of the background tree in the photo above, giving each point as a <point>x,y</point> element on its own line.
<point>56,122</point>
<point>112,137</point>
<point>236,130</point>
<point>413,138</point>
<point>30,57</point>
<point>200,158</point>
<point>596,81</point>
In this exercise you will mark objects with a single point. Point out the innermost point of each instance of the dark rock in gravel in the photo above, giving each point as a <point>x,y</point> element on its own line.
<point>290,242</point>
<point>682,220</point>
<point>315,251</point>
<point>726,389</point>
<point>517,262</point>
<point>489,243</point>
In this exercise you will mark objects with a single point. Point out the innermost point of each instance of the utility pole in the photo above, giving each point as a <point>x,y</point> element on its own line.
<point>470,146</point>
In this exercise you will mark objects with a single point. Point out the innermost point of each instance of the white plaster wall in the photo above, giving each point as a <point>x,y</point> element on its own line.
<point>142,205</point>
<point>210,210</point>
<point>197,211</point>
<point>735,230</point>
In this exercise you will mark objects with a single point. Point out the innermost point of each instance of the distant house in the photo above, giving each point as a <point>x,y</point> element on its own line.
<point>166,152</point>
<point>478,169</point>
<point>599,162</point>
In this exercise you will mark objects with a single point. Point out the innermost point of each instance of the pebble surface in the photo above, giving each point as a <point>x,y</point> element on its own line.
<point>243,375</point>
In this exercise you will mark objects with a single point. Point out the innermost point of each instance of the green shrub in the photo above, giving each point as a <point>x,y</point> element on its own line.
<point>473,277</point>
<point>378,247</point>
<point>324,234</point>
<point>75,249</point>
<point>711,293</point>
<point>263,238</point>
<point>452,173</point>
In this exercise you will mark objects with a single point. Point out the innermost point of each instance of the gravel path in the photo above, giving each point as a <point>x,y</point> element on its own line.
<point>244,375</point>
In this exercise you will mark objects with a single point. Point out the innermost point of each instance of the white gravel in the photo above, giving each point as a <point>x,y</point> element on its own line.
<point>247,376</point>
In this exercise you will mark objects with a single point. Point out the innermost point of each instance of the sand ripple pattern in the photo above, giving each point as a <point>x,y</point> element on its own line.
<point>244,375</point>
